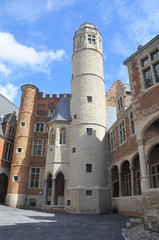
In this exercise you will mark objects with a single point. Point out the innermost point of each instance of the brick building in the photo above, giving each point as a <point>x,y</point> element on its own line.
<point>8,122</point>
<point>68,154</point>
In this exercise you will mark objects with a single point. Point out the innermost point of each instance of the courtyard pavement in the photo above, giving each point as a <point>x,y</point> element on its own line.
<point>17,224</point>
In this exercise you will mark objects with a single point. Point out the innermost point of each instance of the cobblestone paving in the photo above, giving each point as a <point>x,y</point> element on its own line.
<point>16,224</point>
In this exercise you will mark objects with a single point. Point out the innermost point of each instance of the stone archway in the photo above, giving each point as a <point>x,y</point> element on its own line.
<point>3,187</point>
<point>137,176</point>
<point>115,182</point>
<point>59,189</point>
<point>126,179</point>
<point>49,179</point>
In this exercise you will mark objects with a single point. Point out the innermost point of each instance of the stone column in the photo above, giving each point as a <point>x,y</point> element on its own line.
<point>111,184</point>
<point>144,176</point>
<point>45,192</point>
<point>53,192</point>
<point>120,184</point>
<point>132,181</point>
<point>148,172</point>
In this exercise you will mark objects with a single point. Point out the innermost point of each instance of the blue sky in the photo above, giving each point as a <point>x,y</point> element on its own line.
<point>36,39</point>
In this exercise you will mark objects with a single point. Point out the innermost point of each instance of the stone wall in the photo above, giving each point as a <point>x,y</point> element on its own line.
<point>128,205</point>
<point>151,209</point>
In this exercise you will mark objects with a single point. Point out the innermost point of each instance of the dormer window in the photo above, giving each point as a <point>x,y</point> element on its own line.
<point>91,39</point>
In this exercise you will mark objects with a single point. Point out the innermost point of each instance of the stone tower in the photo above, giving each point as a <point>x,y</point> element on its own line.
<point>18,183</point>
<point>87,187</point>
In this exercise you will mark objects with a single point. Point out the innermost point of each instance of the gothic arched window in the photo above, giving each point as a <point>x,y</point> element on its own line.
<point>52,138</point>
<point>62,136</point>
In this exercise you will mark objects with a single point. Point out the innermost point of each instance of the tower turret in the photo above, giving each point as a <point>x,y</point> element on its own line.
<point>86,191</point>
<point>18,182</point>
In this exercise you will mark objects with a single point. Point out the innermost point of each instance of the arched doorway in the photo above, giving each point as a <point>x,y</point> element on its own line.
<point>126,179</point>
<point>115,181</point>
<point>49,179</point>
<point>59,190</point>
<point>3,187</point>
<point>137,176</point>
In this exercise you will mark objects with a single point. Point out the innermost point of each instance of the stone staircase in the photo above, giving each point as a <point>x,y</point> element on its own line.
<point>53,209</point>
<point>133,222</point>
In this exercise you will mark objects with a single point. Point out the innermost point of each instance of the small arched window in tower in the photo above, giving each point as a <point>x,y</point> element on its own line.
<point>62,136</point>
<point>52,138</point>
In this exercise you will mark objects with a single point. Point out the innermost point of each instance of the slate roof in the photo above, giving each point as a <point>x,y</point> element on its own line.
<point>5,118</point>
<point>62,111</point>
<point>6,106</point>
<point>111,116</point>
<point>1,130</point>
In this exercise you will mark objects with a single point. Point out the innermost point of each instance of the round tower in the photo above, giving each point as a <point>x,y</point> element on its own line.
<point>86,189</point>
<point>21,161</point>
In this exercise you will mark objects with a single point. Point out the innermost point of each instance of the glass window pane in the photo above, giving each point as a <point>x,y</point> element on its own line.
<point>145,61</point>
<point>153,169</point>
<point>155,54</point>
<point>157,71</point>
<point>157,168</point>
<point>148,78</point>
<point>154,182</point>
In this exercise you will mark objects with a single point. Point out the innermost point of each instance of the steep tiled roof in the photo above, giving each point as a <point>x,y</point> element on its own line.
<point>6,106</point>
<point>1,130</point>
<point>62,112</point>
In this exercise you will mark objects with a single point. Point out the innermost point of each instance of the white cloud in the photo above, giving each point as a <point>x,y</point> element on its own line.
<point>123,74</point>
<point>56,4</point>
<point>119,45</point>
<point>4,70</point>
<point>9,91</point>
<point>140,19</point>
<point>31,10</point>
<point>15,53</point>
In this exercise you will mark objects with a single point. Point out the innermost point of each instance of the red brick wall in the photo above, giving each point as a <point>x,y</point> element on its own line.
<point>124,149</point>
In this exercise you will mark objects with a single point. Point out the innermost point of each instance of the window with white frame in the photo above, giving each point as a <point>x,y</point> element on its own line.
<point>22,124</point>
<point>122,131</point>
<point>91,39</point>
<point>37,147</point>
<point>62,136</point>
<point>15,178</point>
<point>8,151</point>
<point>39,127</point>
<point>19,150</point>
<point>34,177</point>
<point>113,140</point>
<point>150,69</point>
<point>52,138</point>
<point>132,123</point>
<point>155,175</point>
